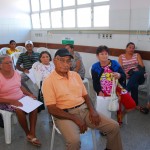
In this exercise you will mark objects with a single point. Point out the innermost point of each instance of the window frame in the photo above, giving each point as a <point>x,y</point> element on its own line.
<point>91,5</point>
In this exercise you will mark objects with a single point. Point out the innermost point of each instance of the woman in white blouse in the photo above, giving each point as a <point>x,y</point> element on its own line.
<point>43,67</point>
<point>41,70</point>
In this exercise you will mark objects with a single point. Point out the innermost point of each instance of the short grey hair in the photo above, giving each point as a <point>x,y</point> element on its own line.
<point>2,57</point>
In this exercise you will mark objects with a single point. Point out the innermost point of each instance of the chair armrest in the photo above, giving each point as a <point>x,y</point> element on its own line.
<point>148,83</point>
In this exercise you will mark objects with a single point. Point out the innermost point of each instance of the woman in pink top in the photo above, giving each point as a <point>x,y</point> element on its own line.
<point>10,92</point>
<point>133,66</point>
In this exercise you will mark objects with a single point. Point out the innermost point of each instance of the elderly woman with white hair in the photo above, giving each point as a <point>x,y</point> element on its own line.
<point>11,92</point>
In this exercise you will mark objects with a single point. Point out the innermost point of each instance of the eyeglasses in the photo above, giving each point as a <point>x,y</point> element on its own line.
<point>7,63</point>
<point>64,61</point>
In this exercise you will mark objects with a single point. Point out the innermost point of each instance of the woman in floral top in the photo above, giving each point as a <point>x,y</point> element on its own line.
<point>102,74</point>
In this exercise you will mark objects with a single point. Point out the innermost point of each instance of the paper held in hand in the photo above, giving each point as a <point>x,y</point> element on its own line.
<point>29,104</point>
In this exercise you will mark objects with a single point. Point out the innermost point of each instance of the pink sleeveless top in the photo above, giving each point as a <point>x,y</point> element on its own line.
<point>128,64</point>
<point>10,88</point>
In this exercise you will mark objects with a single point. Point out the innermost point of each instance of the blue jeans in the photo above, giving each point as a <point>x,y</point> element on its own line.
<point>135,80</point>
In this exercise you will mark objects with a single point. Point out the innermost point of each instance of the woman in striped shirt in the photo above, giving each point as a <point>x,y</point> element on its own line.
<point>133,66</point>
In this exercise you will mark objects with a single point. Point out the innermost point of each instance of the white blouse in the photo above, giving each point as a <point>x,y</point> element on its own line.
<point>41,71</point>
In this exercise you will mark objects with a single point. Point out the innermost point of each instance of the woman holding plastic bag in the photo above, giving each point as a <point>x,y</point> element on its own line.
<point>103,73</point>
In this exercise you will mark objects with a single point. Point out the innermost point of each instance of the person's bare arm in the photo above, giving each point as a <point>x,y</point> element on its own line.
<point>25,92</point>
<point>10,102</point>
<point>140,61</point>
<point>100,93</point>
<point>61,114</point>
<point>78,65</point>
<point>22,69</point>
<point>94,117</point>
<point>120,60</point>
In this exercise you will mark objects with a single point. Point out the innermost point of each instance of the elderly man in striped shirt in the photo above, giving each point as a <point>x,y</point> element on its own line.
<point>25,62</point>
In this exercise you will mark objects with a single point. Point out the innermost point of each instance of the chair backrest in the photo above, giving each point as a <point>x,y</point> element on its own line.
<point>15,57</point>
<point>145,86</point>
<point>21,49</point>
<point>41,49</point>
<point>86,82</point>
<point>37,75</point>
<point>3,50</point>
<point>90,71</point>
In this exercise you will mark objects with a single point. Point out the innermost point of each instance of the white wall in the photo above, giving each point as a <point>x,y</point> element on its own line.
<point>124,15</point>
<point>14,21</point>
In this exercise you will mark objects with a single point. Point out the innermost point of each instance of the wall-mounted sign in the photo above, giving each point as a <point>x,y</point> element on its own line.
<point>67,40</point>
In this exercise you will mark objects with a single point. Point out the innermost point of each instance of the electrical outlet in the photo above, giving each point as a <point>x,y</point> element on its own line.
<point>103,36</point>
<point>110,36</point>
<point>106,35</point>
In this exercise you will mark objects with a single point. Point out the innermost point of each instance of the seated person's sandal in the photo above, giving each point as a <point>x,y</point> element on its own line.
<point>144,110</point>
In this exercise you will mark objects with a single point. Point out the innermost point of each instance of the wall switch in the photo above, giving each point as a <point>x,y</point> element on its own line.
<point>103,36</point>
<point>106,35</point>
<point>110,36</point>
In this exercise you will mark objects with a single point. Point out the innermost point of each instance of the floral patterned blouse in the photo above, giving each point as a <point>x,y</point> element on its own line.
<point>106,81</point>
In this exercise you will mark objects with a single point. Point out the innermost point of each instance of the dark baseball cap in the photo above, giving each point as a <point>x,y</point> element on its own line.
<point>63,52</point>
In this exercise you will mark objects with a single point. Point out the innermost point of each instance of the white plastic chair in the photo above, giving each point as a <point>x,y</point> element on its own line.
<point>41,49</point>
<point>86,82</point>
<point>7,124</point>
<point>15,57</point>
<point>54,128</point>
<point>36,74</point>
<point>3,50</point>
<point>21,49</point>
<point>146,85</point>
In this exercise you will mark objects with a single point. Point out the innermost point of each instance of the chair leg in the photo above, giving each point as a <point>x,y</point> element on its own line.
<point>7,126</point>
<point>94,139</point>
<point>52,139</point>
<point>14,117</point>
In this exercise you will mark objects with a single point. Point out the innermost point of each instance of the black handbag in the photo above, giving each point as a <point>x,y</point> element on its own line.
<point>130,72</point>
<point>140,68</point>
